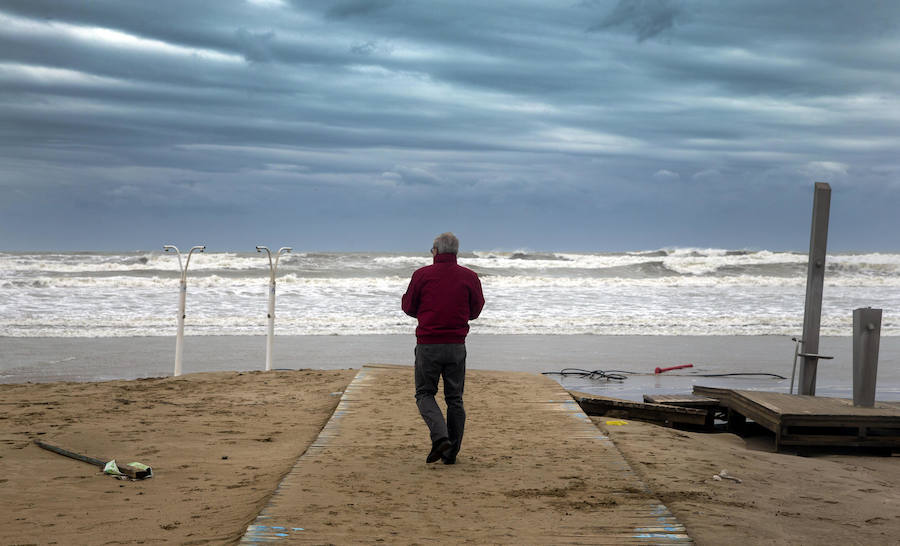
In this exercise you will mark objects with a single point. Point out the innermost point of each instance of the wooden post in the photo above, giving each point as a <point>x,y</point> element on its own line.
<point>131,472</point>
<point>815,280</point>
<point>866,337</point>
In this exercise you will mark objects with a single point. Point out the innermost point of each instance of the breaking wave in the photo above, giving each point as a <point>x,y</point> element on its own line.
<point>687,291</point>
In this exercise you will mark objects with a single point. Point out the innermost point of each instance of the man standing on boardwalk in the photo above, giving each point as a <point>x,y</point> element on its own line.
<point>444,297</point>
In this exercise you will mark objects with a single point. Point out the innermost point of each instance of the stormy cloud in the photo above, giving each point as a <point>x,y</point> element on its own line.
<point>372,124</point>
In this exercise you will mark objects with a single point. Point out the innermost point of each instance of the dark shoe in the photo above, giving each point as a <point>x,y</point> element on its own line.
<point>449,460</point>
<point>438,449</point>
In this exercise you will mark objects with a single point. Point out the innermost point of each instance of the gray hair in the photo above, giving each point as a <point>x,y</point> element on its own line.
<point>446,243</point>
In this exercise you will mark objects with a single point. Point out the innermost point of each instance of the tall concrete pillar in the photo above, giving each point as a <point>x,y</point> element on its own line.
<point>815,280</point>
<point>866,338</point>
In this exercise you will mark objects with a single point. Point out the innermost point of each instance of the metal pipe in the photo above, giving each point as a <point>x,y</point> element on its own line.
<point>270,321</point>
<point>797,341</point>
<point>182,297</point>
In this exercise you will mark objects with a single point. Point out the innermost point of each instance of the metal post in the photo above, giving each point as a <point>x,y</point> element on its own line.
<point>866,337</point>
<point>179,335</point>
<point>797,341</point>
<point>270,326</point>
<point>182,296</point>
<point>815,280</point>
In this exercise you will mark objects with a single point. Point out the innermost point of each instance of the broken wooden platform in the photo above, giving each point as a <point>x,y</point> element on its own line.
<point>709,405</point>
<point>661,413</point>
<point>800,420</point>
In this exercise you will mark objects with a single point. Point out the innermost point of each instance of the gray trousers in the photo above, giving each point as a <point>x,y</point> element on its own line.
<point>432,362</point>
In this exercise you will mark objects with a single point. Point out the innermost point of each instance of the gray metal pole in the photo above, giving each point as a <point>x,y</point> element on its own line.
<point>815,280</point>
<point>866,337</point>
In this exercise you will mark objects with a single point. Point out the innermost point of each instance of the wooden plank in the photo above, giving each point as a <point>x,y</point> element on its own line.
<point>618,402</point>
<point>639,410</point>
<point>722,395</point>
<point>758,414</point>
<point>709,405</point>
<point>682,400</point>
<point>798,404</point>
<point>788,404</point>
<point>760,399</point>
<point>71,454</point>
<point>841,421</point>
<point>836,441</point>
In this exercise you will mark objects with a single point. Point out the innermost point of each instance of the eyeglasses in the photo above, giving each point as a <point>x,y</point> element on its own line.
<point>434,249</point>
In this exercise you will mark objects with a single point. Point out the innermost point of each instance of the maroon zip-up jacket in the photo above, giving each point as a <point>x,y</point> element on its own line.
<point>444,297</point>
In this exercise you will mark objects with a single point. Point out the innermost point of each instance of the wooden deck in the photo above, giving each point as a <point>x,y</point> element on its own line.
<point>812,420</point>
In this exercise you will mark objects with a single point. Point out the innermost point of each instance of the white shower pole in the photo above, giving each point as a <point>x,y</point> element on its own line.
<point>270,328</point>
<point>182,295</point>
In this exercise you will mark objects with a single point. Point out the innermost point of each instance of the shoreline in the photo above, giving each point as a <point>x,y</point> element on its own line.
<point>113,358</point>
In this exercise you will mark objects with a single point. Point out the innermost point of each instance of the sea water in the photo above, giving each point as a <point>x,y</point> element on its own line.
<point>673,292</point>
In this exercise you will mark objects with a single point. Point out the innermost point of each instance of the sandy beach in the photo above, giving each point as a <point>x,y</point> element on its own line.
<point>783,498</point>
<point>221,442</point>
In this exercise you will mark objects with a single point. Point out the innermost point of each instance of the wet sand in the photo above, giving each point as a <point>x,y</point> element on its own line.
<point>98,359</point>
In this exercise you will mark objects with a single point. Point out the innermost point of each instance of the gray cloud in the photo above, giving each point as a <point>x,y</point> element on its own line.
<point>377,110</point>
<point>647,18</point>
<point>366,48</point>
<point>412,175</point>
<point>355,8</point>
<point>256,45</point>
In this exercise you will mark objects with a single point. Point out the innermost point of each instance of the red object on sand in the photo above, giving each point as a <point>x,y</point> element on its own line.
<point>661,370</point>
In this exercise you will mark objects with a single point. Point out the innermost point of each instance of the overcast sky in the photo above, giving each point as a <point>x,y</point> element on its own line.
<point>376,124</point>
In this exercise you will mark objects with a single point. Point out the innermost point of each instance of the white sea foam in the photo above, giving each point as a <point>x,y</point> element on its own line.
<point>668,291</point>
<point>684,261</point>
<point>110,285</point>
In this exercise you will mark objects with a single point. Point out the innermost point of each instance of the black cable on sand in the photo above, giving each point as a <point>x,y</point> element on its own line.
<point>589,374</point>
<point>621,375</point>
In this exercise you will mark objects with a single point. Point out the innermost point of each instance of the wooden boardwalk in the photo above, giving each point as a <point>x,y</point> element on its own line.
<point>534,469</point>
<point>812,420</point>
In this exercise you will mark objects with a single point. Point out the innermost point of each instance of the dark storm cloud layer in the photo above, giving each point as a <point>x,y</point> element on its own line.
<point>647,17</point>
<point>592,125</point>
